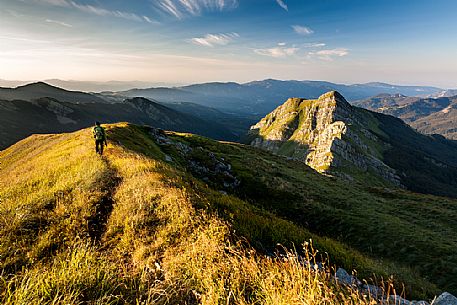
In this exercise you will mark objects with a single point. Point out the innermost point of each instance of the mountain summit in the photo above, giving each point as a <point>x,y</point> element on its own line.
<point>312,131</point>
<point>332,136</point>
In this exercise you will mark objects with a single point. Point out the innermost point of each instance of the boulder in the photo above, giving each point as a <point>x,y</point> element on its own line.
<point>345,278</point>
<point>445,299</point>
<point>372,291</point>
<point>398,300</point>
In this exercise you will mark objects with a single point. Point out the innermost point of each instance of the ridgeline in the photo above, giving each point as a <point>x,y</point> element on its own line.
<point>168,218</point>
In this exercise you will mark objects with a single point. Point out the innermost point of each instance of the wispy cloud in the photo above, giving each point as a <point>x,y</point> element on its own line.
<point>100,11</point>
<point>53,2</point>
<point>277,52</point>
<point>211,40</point>
<point>282,50</point>
<point>59,23</point>
<point>314,45</point>
<point>147,19</point>
<point>15,14</point>
<point>282,4</point>
<point>24,39</point>
<point>183,8</point>
<point>302,30</point>
<point>330,54</point>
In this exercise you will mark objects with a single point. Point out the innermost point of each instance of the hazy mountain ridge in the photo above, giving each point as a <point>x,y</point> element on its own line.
<point>229,106</point>
<point>331,135</point>
<point>443,122</point>
<point>446,93</point>
<point>88,86</point>
<point>37,90</point>
<point>261,97</point>
<point>47,115</point>
<point>42,108</point>
<point>428,115</point>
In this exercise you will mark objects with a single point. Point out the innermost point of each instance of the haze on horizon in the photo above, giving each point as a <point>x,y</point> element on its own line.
<point>189,41</point>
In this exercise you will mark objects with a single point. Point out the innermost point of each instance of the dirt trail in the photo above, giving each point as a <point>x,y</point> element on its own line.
<point>97,223</point>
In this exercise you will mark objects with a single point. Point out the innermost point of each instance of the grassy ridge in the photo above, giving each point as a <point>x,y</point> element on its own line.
<point>159,243</point>
<point>48,184</point>
<point>392,224</point>
<point>133,229</point>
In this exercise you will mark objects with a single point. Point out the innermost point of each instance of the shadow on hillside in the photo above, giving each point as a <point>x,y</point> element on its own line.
<point>378,222</point>
<point>425,163</point>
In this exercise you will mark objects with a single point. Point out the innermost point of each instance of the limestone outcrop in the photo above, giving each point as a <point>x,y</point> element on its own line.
<point>327,134</point>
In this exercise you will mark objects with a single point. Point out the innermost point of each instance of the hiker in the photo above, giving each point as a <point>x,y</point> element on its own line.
<point>100,138</point>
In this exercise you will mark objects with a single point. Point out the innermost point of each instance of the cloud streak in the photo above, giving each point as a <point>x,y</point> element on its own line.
<point>282,4</point>
<point>277,52</point>
<point>59,23</point>
<point>330,54</point>
<point>284,51</point>
<point>96,10</point>
<point>302,30</point>
<point>211,40</point>
<point>314,45</point>
<point>182,8</point>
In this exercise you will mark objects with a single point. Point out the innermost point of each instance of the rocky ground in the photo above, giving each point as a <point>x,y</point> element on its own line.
<point>379,293</point>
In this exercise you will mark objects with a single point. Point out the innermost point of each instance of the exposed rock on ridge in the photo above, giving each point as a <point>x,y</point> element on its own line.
<point>325,133</point>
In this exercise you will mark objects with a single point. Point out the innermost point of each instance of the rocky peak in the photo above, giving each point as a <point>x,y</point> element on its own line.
<point>325,133</point>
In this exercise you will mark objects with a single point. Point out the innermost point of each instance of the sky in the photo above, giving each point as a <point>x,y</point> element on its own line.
<point>411,42</point>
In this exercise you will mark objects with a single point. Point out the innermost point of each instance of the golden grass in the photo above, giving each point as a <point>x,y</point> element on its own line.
<point>162,243</point>
<point>48,188</point>
<point>162,225</point>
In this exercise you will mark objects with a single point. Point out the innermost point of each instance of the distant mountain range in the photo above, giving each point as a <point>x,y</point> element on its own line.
<point>33,91</point>
<point>41,108</point>
<point>446,93</point>
<point>90,86</point>
<point>261,97</point>
<point>427,115</point>
<point>219,110</point>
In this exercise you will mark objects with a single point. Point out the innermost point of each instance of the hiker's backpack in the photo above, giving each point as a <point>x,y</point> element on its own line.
<point>99,134</point>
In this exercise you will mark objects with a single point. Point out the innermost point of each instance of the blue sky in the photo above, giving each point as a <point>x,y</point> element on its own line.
<point>187,41</point>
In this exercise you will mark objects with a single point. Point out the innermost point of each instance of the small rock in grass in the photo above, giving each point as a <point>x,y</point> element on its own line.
<point>168,158</point>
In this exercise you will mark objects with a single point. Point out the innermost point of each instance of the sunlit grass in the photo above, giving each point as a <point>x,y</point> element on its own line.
<point>169,238</point>
<point>190,250</point>
<point>47,196</point>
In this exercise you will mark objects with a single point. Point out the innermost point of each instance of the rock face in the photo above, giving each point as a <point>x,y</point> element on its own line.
<point>325,133</point>
<point>309,128</point>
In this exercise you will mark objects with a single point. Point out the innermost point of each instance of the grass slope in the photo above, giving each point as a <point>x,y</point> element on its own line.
<point>406,230</point>
<point>130,228</point>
